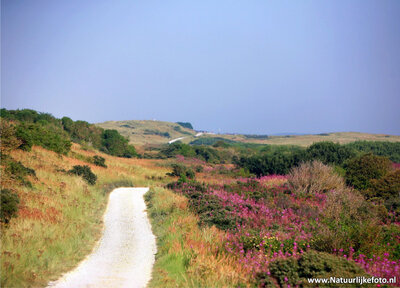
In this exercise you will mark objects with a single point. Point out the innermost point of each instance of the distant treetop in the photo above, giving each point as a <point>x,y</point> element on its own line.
<point>185,125</point>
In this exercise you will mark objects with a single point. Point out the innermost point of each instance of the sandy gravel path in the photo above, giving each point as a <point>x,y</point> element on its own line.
<point>124,256</point>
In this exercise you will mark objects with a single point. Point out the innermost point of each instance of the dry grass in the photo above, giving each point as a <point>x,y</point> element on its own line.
<point>188,255</point>
<point>314,177</point>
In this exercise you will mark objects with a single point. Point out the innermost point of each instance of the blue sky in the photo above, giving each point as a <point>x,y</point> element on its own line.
<point>231,66</point>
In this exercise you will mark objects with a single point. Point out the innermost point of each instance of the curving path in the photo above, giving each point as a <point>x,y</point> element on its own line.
<point>124,256</point>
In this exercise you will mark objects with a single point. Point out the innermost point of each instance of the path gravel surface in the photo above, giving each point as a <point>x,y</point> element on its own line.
<point>124,256</point>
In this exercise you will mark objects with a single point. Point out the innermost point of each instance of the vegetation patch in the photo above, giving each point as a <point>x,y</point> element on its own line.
<point>85,172</point>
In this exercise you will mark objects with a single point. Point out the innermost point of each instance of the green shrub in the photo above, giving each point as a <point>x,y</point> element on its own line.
<point>9,140</point>
<point>286,272</point>
<point>85,172</point>
<point>263,280</point>
<point>362,169</point>
<point>211,211</point>
<point>181,170</point>
<point>48,136</point>
<point>380,148</point>
<point>329,152</point>
<point>348,220</point>
<point>199,168</point>
<point>386,187</point>
<point>99,161</point>
<point>19,172</point>
<point>313,264</point>
<point>115,144</point>
<point>273,161</point>
<point>9,205</point>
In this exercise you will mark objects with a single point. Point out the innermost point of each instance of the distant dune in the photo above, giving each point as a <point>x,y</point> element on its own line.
<point>141,132</point>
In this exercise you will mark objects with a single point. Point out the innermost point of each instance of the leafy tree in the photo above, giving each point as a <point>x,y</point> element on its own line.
<point>68,124</point>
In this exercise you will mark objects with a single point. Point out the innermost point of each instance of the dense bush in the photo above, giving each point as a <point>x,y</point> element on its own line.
<point>388,189</point>
<point>82,132</point>
<point>211,211</point>
<point>209,207</point>
<point>18,171</point>
<point>181,170</point>
<point>99,161</point>
<point>115,144</point>
<point>9,140</point>
<point>9,205</point>
<point>85,172</point>
<point>362,169</point>
<point>329,152</point>
<point>31,116</point>
<point>312,264</point>
<point>276,162</point>
<point>50,137</point>
<point>34,128</point>
<point>314,177</point>
<point>380,148</point>
<point>348,220</point>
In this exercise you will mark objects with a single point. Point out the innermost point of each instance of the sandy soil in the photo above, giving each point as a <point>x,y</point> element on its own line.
<point>124,256</point>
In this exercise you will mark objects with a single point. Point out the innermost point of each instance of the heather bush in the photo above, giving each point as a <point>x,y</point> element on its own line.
<point>212,212</point>
<point>362,169</point>
<point>85,172</point>
<point>314,177</point>
<point>285,271</point>
<point>9,205</point>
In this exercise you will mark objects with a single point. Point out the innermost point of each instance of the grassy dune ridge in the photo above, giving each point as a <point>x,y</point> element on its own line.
<point>145,132</point>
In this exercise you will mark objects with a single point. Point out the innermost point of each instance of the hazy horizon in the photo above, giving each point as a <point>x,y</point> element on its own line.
<point>252,67</point>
